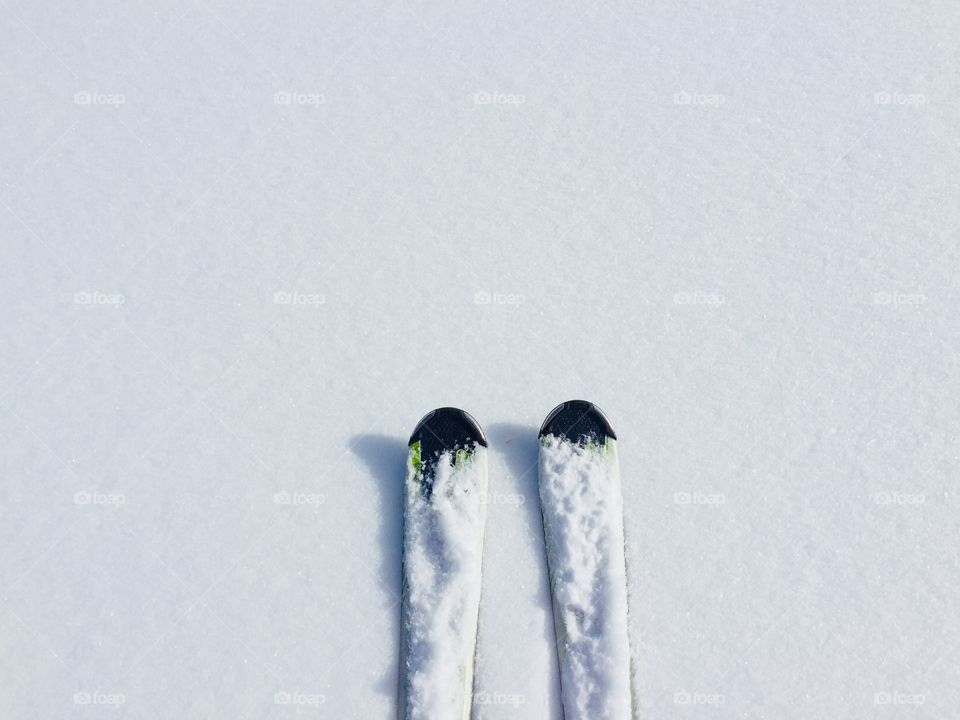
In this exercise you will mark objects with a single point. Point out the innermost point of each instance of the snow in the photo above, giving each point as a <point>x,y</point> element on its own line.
<point>226,301</point>
<point>443,549</point>
<point>583,521</point>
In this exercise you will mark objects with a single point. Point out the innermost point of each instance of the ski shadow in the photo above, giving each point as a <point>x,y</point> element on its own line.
<point>385,457</point>
<point>519,446</point>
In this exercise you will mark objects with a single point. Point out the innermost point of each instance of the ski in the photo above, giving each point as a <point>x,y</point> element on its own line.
<point>580,498</point>
<point>444,517</point>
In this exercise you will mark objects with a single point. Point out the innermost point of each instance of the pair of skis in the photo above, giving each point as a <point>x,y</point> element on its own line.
<point>444,518</point>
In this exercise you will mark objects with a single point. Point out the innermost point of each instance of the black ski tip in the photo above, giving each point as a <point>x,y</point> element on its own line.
<point>447,428</point>
<point>578,420</point>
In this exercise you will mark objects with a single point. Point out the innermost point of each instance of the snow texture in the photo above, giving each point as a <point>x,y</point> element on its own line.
<point>443,548</point>
<point>245,246</point>
<point>583,524</point>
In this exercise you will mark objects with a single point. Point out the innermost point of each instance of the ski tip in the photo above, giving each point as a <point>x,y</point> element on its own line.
<point>576,420</point>
<point>448,428</point>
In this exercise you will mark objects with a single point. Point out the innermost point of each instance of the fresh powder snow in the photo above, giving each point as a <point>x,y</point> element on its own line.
<point>583,523</point>
<point>245,246</point>
<point>443,544</point>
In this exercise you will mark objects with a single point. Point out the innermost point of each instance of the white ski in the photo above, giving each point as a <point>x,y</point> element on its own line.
<point>444,517</point>
<point>582,509</point>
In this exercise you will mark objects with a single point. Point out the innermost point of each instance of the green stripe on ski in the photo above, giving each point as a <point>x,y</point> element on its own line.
<point>415,455</point>
<point>461,458</point>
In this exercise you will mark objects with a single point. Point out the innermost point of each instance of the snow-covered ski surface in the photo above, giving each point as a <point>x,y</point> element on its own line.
<point>582,509</point>
<point>443,548</point>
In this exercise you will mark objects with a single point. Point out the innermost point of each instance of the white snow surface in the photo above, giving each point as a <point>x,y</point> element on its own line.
<point>583,522</point>
<point>443,548</point>
<point>245,246</point>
